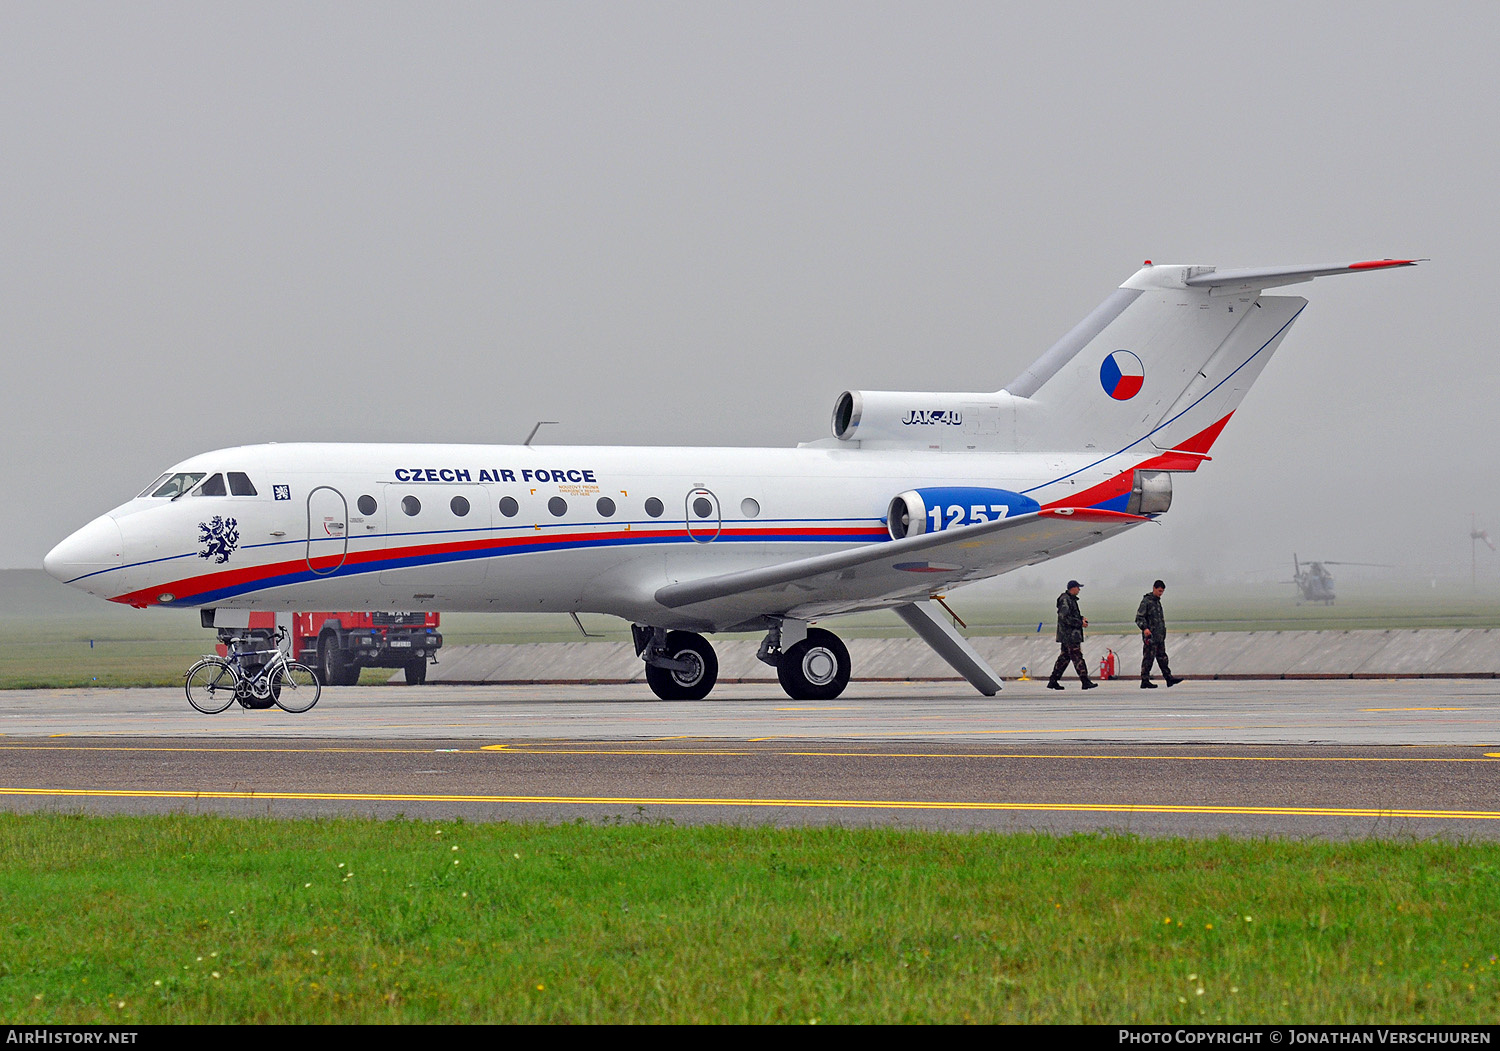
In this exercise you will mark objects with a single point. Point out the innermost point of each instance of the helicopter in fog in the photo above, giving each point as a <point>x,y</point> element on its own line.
<point>1315,583</point>
<point>1477,533</point>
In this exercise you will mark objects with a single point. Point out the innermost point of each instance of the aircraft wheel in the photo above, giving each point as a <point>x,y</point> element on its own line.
<point>331,662</point>
<point>691,685</point>
<point>816,669</point>
<point>416,671</point>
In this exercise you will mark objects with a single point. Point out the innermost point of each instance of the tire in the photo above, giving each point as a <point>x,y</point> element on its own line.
<point>209,685</point>
<point>331,662</point>
<point>685,686</point>
<point>816,669</point>
<point>296,687</point>
<point>416,671</point>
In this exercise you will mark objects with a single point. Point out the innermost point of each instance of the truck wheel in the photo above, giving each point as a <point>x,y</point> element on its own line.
<point>331,662</point>
<point>416,672</point>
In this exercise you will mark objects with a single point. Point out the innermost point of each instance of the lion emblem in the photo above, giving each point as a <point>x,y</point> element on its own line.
<point>219,538</point>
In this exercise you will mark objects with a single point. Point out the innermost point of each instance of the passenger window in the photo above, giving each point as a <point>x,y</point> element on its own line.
<point>509,507</point>
<point>702,508</point>
<point>367,505</point>
<point>411,505</point>
<point>213,487</point>
<point>558,506</point>
<point>240,485</point>
<point>606,507</point>
<point>459,506</point>
<point>653,507</point>
<point>749,507</point>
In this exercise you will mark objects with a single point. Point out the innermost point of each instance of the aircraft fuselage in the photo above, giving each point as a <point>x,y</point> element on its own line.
<point>522,528</point>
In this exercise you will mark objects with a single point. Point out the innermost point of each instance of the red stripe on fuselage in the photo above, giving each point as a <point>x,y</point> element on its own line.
<point>1204,439</point>
<point>185,588</point>
<point>1184,456</point>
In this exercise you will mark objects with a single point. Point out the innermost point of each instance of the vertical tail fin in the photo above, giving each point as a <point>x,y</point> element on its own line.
<point>1166,358</point>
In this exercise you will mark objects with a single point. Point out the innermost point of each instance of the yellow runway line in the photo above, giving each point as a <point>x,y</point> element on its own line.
<point>1416,709</point>
<point>543,748</point>
<point>836,804</point>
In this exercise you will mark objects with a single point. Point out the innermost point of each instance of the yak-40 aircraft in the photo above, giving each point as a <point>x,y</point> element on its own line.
<point>914,493</point>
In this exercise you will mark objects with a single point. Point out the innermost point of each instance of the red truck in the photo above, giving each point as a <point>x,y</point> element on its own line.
<point>338,645</point>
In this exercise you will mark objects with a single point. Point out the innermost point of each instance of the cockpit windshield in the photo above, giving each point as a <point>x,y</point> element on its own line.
<point>175,484</point>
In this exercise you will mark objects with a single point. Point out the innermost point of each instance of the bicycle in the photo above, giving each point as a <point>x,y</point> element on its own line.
<point>255,678</point>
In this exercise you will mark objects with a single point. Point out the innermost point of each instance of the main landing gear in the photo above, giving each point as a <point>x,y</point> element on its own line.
<point>815,669</point>
<point>681,665</point>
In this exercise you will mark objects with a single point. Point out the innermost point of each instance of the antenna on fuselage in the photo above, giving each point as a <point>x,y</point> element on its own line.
<point>586,633</point>
<point>539,425</point>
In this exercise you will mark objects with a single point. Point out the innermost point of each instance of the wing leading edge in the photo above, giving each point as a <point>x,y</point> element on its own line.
<point>883,573</point>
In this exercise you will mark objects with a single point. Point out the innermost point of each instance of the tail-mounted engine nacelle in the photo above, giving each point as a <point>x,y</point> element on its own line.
<point>915,417</point>
<point>1150,493</point>
<point>919,511</point>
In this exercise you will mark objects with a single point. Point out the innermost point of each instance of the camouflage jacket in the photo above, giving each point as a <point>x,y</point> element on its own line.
<point>1069,619</point>
<point>1150,615</point>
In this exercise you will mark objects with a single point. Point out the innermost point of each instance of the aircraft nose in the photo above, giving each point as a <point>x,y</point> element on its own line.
<point>95,547</point>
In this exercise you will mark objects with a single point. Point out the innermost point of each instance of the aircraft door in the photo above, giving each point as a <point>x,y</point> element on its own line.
<point>327,530</point>
<point>704,520</point>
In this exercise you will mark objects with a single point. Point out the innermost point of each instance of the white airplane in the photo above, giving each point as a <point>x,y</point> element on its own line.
<point>915,493</point>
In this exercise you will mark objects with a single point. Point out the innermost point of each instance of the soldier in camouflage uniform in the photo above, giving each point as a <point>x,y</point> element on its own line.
<point>1070,625</point>
<point>1153,624</point>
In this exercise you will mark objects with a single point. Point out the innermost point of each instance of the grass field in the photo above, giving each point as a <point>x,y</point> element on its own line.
<point>206,919</point>
<point>53,636</point>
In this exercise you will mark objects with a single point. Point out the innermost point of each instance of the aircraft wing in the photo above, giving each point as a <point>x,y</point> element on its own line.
<point>894,571</point>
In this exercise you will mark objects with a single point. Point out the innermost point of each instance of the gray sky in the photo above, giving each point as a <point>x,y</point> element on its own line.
<point>698,223</point>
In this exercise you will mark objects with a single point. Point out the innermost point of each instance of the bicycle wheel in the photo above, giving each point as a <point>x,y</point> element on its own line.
<point>210,685</point>
<point>295,687</point>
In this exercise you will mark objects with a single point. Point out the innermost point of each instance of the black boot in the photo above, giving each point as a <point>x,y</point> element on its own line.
<point>1173,680</point>
<point>1053,684</point>
<point>1147,684</point>
<point>1089,684</point>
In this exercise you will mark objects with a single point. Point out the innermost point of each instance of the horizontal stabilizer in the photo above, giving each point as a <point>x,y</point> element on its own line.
<point>1249,279</point>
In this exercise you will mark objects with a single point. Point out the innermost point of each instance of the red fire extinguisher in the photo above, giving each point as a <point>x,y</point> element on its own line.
<point>1107,665</point>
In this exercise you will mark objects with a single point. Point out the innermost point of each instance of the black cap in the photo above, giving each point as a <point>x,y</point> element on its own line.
<point>1072,584</point>
<point>1159,584</point>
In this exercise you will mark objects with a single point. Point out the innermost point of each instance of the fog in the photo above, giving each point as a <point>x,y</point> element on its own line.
<point>697,223</point>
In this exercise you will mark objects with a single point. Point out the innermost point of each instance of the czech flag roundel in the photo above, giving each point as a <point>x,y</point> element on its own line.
<point>1121,375</point>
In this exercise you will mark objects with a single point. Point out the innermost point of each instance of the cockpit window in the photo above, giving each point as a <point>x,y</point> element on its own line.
<point>213,487</point>
<point>152,487</point>
<point>239,484</point>
<point>179,483</point>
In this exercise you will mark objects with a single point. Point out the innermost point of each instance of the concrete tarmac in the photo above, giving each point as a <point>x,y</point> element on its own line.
<point>1343,758</point>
